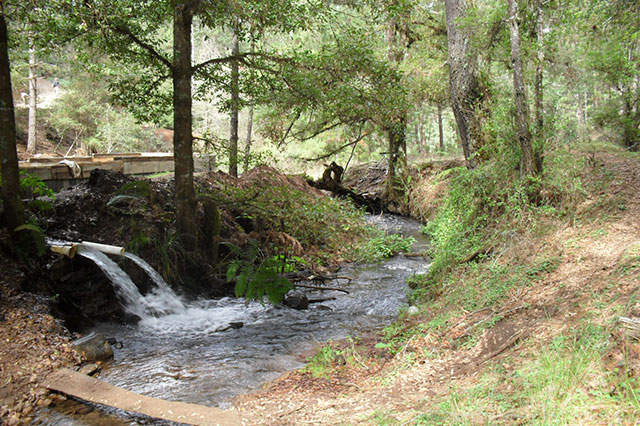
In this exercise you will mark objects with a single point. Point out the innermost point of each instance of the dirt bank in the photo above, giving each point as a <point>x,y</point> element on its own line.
<point>442,374</point>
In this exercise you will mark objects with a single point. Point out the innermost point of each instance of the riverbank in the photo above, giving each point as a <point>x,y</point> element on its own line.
<point>526,333</point>
<point>43,299</point>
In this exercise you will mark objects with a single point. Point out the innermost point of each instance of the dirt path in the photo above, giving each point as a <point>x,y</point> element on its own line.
<point>591,252</point>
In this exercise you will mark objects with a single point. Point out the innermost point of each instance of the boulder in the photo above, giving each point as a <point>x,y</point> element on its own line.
<point>296,300</point>
<point>93,347</point>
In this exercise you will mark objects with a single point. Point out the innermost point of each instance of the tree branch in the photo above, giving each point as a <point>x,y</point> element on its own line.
<point>121,29</point>
<point>335,151</point>
<point>289,129</point>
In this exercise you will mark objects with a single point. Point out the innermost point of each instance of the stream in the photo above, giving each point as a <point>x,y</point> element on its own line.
<point>183,356</point>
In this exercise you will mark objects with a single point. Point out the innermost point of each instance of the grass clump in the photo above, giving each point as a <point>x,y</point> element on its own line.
<point>567,383</point>
<point>381,246</point>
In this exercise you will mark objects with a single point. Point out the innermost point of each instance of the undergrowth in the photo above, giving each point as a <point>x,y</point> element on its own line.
<point>565,383</point>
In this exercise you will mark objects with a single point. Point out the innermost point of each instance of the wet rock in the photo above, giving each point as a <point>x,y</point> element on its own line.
<point>296,300</point>
<point>89,369</point>
<point>93,347</point>
<point>236,325</point>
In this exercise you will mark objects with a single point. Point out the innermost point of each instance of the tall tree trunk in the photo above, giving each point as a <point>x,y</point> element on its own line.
<point>527,164</point>
<point>396,131</point>
<point>539,69</point>
<point>424,142</point>
<point>416,132</point>
<point>247,145</point>
<point>33,100</point>
<point>182,122</point>
<point>13,214</point>
<point>440,131</point>
<point>630,133</point>
<point>396,137</point>
<point>235,104</point>
<point>467,99</point>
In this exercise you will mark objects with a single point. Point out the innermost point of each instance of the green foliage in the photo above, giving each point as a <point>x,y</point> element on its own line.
<point>139,241</point>
<point>383,245</point>
<point>321,364</point>
<point>35,243</point>
<point>329,225</point>
<point>33,185</point>
<point>83,114</point>
<point>257,276</point>
<point>136,188</point>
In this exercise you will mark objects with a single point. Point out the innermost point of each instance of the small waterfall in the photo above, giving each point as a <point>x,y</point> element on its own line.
<point>133,300</point>
<point>164,300</point>
<point>160,301</point>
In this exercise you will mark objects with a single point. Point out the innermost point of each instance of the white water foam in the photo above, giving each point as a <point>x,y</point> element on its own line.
<point>161,301</point>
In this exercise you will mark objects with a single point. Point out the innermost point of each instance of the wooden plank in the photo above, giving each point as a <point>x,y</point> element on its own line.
<point>100,392</point>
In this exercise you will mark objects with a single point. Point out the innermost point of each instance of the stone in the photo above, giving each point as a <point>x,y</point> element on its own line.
<point>89,369</point>
<point>93,347</point>
<point>296,300</point>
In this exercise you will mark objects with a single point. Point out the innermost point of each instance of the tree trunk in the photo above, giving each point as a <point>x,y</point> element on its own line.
<point>440,131</point>
<point>235,105</point>
<point>247,145</point>
<point>527,164</point>
<point>13,214</point>
<point>182,122</point>
<point>423,138</point>
<point>539,69</point>
<point>396,137</point>
<point>466,95</point>
<point>33,101</point>
<point>629,132</point>
<point>396,131</point>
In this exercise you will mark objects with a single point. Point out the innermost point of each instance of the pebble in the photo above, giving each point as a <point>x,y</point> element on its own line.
<point>45,402</point>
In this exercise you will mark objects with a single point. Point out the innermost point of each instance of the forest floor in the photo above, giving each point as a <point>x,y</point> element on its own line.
<point>564,319</point>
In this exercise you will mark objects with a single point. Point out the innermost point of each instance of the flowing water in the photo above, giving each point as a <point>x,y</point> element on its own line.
<point>161,301</point>
<point>191,355</point>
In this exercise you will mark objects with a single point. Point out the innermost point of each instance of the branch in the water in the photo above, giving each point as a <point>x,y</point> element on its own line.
<point>320,287</point>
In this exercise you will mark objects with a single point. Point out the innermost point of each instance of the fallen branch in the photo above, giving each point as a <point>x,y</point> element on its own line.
<point>489,318</point>
<point>318,287</point>
<point>520,334</point>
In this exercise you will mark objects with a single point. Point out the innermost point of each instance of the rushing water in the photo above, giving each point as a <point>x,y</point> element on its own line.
<point>191,355</point>
<point>161,301</point>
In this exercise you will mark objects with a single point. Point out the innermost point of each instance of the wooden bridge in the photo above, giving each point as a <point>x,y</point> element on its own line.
<point>62,172</point>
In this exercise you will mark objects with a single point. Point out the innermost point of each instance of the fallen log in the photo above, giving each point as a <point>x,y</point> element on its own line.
<point>331,181</point>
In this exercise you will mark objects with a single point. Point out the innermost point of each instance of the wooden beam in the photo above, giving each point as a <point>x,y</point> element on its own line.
<point>99,392</point>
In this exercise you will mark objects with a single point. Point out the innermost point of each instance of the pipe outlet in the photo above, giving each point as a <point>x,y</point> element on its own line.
<point>105,248</point>
<point>65,250</point>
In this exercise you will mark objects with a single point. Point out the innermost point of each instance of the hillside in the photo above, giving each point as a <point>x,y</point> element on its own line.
<point>543,346</point>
